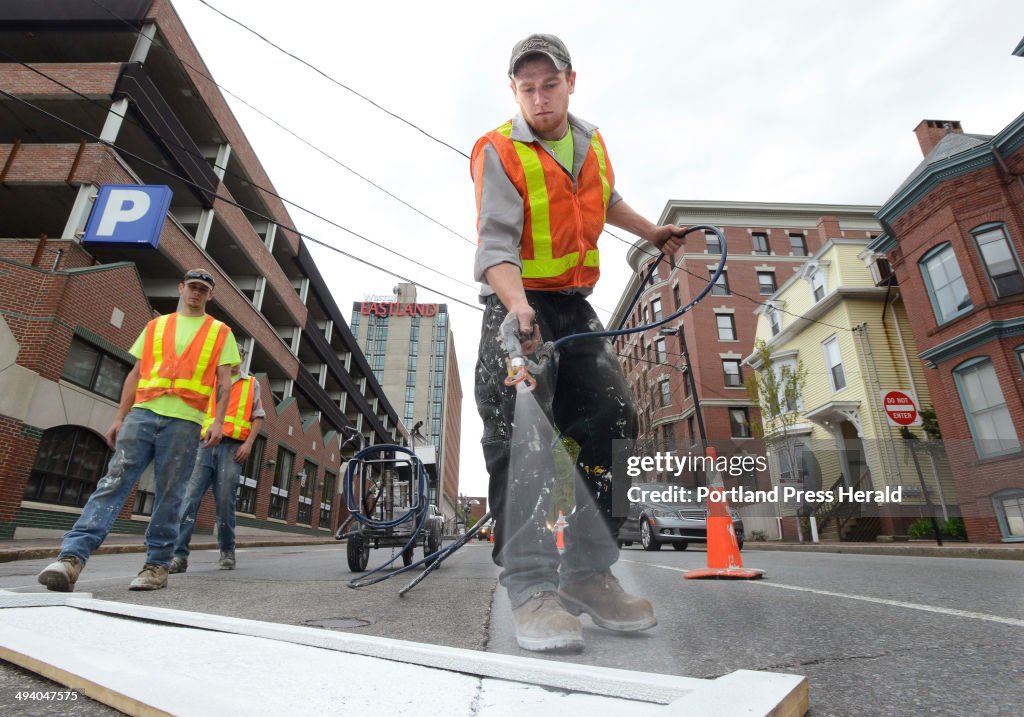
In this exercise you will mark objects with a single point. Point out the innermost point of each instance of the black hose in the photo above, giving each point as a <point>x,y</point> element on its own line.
<point>646,327</point>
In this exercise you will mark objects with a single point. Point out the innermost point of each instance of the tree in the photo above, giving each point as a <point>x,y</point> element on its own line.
<point>777,389</point>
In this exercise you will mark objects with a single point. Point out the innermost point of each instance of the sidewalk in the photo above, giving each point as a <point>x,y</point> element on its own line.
<point>36,548</point>
<point>914,548</point>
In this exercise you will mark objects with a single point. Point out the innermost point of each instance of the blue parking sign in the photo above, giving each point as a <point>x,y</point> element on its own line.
<point>128,214</point>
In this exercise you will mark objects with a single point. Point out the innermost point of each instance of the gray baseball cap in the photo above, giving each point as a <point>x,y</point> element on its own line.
<point>539,42</point>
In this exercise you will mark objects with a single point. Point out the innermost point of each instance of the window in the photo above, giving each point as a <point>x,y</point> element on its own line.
<point>739,423</point>
<point>650,273</point>
<point>1009,505</point>
<point>327,499</point>
<point>675,296</point>
<point>733,372</point>
<point>666,392</point>
<point>785,370</point>
<point>279,491</point>
<point>69,462</point>
<point>834,363</point>
<point>766,282</point>
<point>991,426</point>
<point>714,244</point>
<point>720,287</point>
<point>726,327</point>
<point>656,308</point>
<point>96,370</point>
<point>818,285</point>
<point>774,320</point>
<point>668,433</point>
<point>798,244</point>
<point>690,428</point>
<point>307,487</point>
<point>1020,357</point>
<point>659,347</point>
<point>249,480</point>
<point>760,240</point>
<point>945,284</point>
<point>1000,261</point>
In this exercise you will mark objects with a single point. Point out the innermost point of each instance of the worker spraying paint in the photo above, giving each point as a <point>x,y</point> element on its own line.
<point>544,189</point>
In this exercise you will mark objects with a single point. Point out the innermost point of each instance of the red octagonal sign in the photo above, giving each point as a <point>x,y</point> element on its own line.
<point>900,408</point>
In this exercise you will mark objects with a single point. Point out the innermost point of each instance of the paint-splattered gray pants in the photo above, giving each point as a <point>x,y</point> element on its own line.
<point>584,394</point>
<point>171,445</point>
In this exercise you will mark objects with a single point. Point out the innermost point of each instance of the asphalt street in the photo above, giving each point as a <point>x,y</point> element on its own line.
<point>874,634</point>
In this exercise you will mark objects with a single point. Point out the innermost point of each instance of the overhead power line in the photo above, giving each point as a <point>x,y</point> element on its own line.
<point>263,189</point>
<point>199,71</point>
<point>333,80</point>
<point>244,208</point>
<point>759,302</point>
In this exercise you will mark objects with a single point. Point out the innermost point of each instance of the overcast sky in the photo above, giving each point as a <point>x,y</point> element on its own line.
<point>787,101</point>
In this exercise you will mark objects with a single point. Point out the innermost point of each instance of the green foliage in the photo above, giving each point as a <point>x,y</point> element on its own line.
<point>922,528</point>
<point>955,528</point>
<point>563,497</point>
<point>758,536</point>
<point>775,391</point>
<point>930,423</point>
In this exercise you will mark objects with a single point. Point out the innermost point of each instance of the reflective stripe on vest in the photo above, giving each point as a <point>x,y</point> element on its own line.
<point>190,376</point>
<point>544,264</point>
<point>237,423</point>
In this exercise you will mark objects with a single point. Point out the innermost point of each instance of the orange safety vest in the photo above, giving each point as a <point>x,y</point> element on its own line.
<point>561,221</point>
<point>192,375</point>
<point>238,419</point>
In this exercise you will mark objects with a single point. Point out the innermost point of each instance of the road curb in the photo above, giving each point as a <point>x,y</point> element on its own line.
<point>917,551</point>
<point>8,555</point>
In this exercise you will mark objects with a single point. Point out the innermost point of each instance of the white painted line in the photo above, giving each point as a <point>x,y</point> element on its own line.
<point>864,598</point>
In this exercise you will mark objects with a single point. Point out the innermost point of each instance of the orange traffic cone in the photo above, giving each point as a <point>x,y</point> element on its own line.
<point>723,552</point>
<point>560,531</point>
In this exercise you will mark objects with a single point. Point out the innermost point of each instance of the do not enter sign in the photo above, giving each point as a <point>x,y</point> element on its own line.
<point>900,408</point>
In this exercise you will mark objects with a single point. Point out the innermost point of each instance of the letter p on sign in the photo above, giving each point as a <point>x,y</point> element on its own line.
<point>128,214</point>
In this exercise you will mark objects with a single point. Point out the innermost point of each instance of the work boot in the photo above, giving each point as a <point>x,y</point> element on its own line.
<point>178,564</point>
<point>542,624</point>
<point>61,575</point>
<point>151,577</point>
<point>608,605</point>
<point>227,560</point>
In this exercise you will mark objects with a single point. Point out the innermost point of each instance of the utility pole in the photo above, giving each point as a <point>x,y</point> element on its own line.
<point>666,331</point>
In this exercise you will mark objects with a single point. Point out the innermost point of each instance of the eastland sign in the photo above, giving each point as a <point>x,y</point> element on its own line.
<point>390,308</point>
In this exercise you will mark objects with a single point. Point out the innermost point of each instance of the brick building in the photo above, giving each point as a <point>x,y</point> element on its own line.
<point>411,350</point>
<point>116,93</point>
<point>954,238</point>
<point>767,244</point>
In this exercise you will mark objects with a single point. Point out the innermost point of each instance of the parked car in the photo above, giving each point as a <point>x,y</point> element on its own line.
<point>653,524</point>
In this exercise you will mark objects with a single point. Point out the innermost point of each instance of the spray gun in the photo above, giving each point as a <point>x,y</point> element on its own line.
<point>521,370</point>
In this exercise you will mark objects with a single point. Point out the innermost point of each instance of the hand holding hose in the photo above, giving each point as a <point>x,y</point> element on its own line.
<point>668,238</point>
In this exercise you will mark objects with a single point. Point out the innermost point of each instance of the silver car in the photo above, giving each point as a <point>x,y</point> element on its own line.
<point>678,524</point>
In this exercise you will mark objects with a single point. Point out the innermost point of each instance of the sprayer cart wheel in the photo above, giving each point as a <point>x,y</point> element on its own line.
<point>358,553</point>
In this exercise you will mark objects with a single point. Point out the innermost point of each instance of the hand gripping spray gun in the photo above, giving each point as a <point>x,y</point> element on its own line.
<point>521,370</point>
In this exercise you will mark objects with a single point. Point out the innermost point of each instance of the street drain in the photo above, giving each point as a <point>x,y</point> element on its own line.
<point>340,623</point>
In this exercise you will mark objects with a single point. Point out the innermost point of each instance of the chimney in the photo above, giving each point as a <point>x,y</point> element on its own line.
<point>930,133</point>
